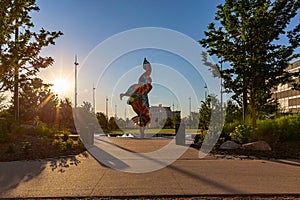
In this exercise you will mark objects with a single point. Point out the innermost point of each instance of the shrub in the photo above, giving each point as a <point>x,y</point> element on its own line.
<point>26,148</point>
<point>288,127</point>
<point>65,135</point>
<point>10,149</point>
<point>199,138</point>
<point>229,128</point>
<point>242,133</point>
<point>5,130</point>
<point>63,143</point>
<point>42,130</point>
<point>285,128</point>
<point>268,131</point>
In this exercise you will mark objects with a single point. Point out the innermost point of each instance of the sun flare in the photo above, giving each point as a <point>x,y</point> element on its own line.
<point>60,86</point>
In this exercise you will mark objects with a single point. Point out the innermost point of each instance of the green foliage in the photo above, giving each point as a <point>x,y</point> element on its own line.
<point>20,48</point>
<point>242,133</point>
<point>285,128</point>
<point>257,61</point>
<point>176,119</point>
<point>205,114</point>
<point>26,148</point>
<point>199,138</point>
<point>112,125</point>
<point>10,149</point>
<point>233,112</point>
<point>42,130</point>
<point>5,130</point>
<point>37,101</point>
<point>65,135</point>
<point>228,128</point>
<point>66,113</point>
<point>19,129</point>
<point>102,120</point>
<point>64,143</point>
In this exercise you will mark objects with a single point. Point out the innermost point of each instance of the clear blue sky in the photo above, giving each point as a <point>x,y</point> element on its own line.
<point>86,23</point>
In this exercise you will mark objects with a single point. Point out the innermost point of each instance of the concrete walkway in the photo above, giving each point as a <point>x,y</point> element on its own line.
<point>83,176</point>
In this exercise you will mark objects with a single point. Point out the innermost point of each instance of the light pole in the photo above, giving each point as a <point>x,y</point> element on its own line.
<point>190,109</point>
<point>94,99</point>
<point>76,64</point>
<point>205,92</point>
<point>115,111</point>
<point>106,107</point>
<point>221,91</point>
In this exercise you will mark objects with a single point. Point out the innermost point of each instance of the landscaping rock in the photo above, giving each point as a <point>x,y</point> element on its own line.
<point>230,145</point>
<point>258,146</point>
<point>242,157</point>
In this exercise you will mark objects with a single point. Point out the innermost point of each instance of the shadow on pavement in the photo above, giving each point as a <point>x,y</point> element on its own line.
<point>13,173</point>
<point>60,164</point>
<point>192,175</point>
<point>107,160</point>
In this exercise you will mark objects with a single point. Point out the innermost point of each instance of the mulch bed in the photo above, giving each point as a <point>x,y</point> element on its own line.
<point>282,150</point>
<point>29,146</point>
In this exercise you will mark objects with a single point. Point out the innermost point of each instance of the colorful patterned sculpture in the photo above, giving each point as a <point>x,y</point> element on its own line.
<point>138,96</point>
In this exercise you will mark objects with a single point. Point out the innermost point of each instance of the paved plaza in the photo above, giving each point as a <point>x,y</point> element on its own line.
<point>84,176</point>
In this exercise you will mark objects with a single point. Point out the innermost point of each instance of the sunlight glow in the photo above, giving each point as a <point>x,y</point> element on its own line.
<point>60,86</point>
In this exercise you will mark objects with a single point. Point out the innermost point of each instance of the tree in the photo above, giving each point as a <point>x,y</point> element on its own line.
<point>87,106</point>
<point>233,112</point>
<point>247,39</point>
<point>37,100</point>
<point>66,113</point>
<point>176,119</point>
<point>205,114</point>
<point>112,124</point>
<point>20,48</point>
<point>103,121</point>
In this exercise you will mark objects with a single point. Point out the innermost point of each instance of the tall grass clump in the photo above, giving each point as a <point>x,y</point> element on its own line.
<point>285,128</point>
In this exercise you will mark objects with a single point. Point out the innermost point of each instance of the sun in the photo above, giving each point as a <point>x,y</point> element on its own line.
<point>60,86</point>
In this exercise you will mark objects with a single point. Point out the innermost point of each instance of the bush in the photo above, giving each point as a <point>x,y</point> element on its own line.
<point>285,128</point>
<point>63,143</point>
<point>65,135</point>
<point>5,130</point>
<point>242,134</point>
<point>268,131</point>
<point>228,128</point>
<point>26,148</point>
<point>42,130</point>
<point>199,138</point>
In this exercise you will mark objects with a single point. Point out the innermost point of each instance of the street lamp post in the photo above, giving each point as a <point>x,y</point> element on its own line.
<point>106,107</point>
<point>76,64</point>
<point>205,92</point>
<point>221,91</point>
<point>94,99</point>
<point>190,109</point>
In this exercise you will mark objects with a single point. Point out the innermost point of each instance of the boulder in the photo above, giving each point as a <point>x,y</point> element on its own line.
<point>230,145</point>
<point>258,146</point>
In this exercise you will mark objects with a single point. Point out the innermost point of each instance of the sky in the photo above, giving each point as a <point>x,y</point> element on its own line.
<point>91,24</point>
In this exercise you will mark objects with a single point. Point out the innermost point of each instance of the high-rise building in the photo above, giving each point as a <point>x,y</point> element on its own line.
<point>288,98</point>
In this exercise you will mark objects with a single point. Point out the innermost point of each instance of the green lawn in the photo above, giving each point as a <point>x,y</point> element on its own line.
<point>154,131</point>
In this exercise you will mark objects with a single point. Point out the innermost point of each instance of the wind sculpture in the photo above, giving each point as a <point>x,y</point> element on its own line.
<point>138,97</point>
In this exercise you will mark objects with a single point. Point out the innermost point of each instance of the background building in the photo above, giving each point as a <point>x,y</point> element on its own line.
<point>159,115</point>
<point>288,98</point>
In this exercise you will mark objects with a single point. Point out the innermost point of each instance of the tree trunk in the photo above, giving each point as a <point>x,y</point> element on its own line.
<point>244,104</point>
<point>253,107</point>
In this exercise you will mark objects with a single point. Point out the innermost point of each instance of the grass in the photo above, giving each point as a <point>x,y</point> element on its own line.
<point>154,131</point>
